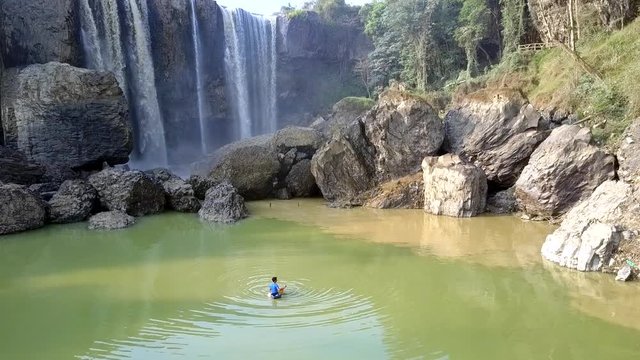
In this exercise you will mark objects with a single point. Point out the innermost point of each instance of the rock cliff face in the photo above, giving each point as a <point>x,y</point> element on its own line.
<point>315,64</point>
<point>57,114</point>
<point>39,31</point>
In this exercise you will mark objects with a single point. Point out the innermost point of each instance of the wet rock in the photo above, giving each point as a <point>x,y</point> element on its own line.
<point>629,153</point>
<point>178,193</point>
<point>130,191</point>
<point>403,129</point>
<point>453,187</point>
<point>300,181</point>
<point>16,168</point>
<point>497,132</point>
<point>563,170</point>
<point>223,204</point>
<point>64,116</point>
<point>111,220</point>
<point>591,234</point>
<point>200,185</point>
<point>624,274</point>
<point>74,202</point>
<point>502,202</point>
<point>20,209</point>
<point>403,193</point>
<point>344,167</point>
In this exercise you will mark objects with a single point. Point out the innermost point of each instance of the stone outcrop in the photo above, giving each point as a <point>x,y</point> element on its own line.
<point>111,220</point>
<point>403,129</point>
<point>593,233</point>
<point>130,191</point>
<point>343,113</point>
<point>20,209</point>
<point>344,168</point>
<point>39,31</point>
<point>16,168</point>
<point>453,187</point>
<point>629,154</point>
<point>223,204</point>
<point>404,193</point>
<point>178,193</point>
<point>74,202</point>
<point>300,181</point>
<point>497,132</point>
<point>200,185</point>
<point>64,116</point>
<point>502,202</point>
<point>563,170</point>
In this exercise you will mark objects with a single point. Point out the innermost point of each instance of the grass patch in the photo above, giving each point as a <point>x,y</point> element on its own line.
<point>356,104</point>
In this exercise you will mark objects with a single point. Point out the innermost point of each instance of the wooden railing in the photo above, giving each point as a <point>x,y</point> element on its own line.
<point>535,47</point>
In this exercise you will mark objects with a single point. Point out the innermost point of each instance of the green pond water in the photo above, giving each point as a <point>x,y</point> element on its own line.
<point>362,284</point>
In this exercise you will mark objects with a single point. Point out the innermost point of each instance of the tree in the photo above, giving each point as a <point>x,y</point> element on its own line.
<point>474,20</point>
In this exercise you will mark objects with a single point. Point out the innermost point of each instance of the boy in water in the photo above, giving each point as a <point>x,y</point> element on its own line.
<point>274,289</point>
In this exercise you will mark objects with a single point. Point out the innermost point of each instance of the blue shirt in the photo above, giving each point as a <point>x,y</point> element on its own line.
<point>273,287</point>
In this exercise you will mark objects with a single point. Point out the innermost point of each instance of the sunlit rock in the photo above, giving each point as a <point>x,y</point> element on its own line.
<point>563,170</point>
<point>629,153</point>
<point>130,191</point>
<point>453,187</point>
<point>223,204</point>
<point>404,193</point>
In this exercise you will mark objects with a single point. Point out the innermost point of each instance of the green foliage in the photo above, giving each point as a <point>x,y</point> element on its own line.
<point>358,103</point>
<point>474,20</point>
<point>513,24</point>
<point>297,14</point>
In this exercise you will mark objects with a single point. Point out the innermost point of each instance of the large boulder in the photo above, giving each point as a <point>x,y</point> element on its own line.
<point>303,139</point>
<point>453,187</point>
<point>111,220</point>
<point>223,204</point>
<point>179,194</point>
<point>60,115</point>
<point>343,113</point>
<point>344,168</point>
<point>74,202</point>
<point>20,209</point>
<point>403,129</point>
<point>16,168</point>
<point>300,181</point>
<point>594,231</point>
<point>404,193</point>
<point>200,185</point>
<point>39,31</point>
<point>130,191</point>
<point>563,170</point>
<point>495,131</point>
<point>629,153</point>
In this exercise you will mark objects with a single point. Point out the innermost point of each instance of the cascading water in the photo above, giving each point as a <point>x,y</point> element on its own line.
<point>199,87</point>
<point>105,50</point>
<point>250,71</point>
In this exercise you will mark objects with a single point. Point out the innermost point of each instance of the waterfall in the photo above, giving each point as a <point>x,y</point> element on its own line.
<point>199,86</point>
<point>105,49</point>
<point>250,71</point>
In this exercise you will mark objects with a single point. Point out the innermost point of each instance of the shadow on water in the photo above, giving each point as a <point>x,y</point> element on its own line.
<point>172,287</point>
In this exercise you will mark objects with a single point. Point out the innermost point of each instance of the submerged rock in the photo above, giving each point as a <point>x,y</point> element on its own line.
<point>111,220</point>
<point>60,115</point>
<point>130,191</point>
<point>497,132</point>
<point>223,204</point>
<point>403,193</point>
<point>20,209</point>
<point>453,187</point>
<point>74,202</point>
<point>563,170</point>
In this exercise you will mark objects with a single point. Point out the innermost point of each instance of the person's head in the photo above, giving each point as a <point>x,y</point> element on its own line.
<point>274,279</point>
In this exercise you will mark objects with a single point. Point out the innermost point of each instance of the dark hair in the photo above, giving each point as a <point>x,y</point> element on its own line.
<point>274,279</point>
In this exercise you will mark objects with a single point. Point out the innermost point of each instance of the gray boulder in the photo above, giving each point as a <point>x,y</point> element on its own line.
<point>200,185</point>
<point>74,202</point>
<point>223,204</point>
<point>403,193</point>
<point>39,31</point>
<point>344,168</point>
<point>20,209</point>
<point>591,233</point>
<point>502,202</point>
<point>343,113</point>
<point>300,181</point>
<point>303,139</point>
<point>179,194</point>
<point>453,187</point>
<point>624,274</point>
<point>64,116</point>
<point>563,170</point>
<point>250,165</point>
<point>111,220</point>
<point>403,129</point>
<point>629,153</point>
<point>496,134</point>
<point>130,191</point>
<point>16,168</point>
